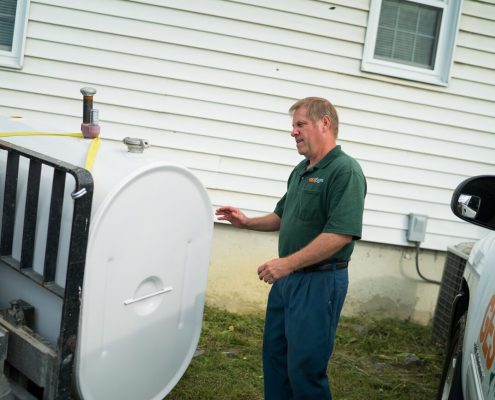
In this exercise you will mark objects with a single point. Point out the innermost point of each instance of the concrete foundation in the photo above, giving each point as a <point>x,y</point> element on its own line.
<point>383,278</point>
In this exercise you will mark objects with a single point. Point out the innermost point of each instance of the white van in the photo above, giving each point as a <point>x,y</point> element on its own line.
<point>469,369</point>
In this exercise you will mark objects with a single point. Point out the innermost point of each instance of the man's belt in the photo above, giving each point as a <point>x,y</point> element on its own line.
<point>324,266</point>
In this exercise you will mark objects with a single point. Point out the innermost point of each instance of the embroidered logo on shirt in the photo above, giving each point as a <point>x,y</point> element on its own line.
<point>315,180</point>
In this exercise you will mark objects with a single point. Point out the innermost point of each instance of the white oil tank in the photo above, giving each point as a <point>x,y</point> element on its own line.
<point>146,267</point>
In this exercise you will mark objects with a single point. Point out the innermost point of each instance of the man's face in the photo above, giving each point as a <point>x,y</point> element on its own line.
<point>308,135</point>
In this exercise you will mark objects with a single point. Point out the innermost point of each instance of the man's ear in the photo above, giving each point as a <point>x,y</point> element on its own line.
<point>327,122</point>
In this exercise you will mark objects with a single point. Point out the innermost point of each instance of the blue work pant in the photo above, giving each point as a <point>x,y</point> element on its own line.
<point>301,319</point>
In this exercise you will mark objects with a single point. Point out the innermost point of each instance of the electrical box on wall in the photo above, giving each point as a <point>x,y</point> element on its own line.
<point>416,227</point>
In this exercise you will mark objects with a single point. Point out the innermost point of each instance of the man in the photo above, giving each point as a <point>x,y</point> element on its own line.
<point>319,218</point>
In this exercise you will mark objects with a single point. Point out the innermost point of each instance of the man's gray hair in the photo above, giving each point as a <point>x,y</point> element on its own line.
<point>317,108</point>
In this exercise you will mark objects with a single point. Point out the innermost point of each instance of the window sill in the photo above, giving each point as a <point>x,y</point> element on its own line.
<point>403,72</point>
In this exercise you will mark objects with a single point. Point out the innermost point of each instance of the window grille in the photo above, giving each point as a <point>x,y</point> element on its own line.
<point>408,33</point>
<point>7,22</point>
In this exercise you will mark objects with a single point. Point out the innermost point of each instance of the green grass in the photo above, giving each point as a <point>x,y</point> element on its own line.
<point>369,361</point>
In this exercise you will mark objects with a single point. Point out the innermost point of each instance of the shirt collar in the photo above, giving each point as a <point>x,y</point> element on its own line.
<point>329,157</point>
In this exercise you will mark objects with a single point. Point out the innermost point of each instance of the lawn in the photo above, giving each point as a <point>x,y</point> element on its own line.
<point>373,359</point>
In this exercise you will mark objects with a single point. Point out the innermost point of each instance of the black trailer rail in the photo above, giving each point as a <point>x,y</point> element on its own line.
<point>61,377</point>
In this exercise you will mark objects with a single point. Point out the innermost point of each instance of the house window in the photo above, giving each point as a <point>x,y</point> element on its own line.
<point>13,23</point>
<point>411,39</point>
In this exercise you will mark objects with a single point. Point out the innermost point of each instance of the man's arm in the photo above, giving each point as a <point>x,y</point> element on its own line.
<point>322,247</point>
<point>266,223</point>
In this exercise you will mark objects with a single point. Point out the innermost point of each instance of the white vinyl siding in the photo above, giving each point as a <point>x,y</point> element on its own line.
<point>412,39</point>
<point>13,23</point>
<point>210,82</point>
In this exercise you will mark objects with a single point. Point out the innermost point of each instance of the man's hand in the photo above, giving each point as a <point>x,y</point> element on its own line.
<point>275,269</point>
<point>266,223</point>
<point>321,248</point>
<point>235,216</point>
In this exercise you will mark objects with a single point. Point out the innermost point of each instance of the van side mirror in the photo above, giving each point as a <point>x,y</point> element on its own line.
<point>474,201</point>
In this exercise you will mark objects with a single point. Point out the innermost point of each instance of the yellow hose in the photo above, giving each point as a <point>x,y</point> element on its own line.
<point>6,134</point>
<point>90,155</point>
<point>92,152</point>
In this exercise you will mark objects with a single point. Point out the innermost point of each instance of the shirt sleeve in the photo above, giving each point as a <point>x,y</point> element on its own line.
<point>279,208</point>
<point>346,204</point>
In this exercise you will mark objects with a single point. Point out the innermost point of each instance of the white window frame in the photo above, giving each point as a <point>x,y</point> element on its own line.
<point>440,74</point>
<point>15,57</point>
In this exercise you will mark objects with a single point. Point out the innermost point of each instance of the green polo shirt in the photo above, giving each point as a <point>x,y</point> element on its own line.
<point>327,198</point>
